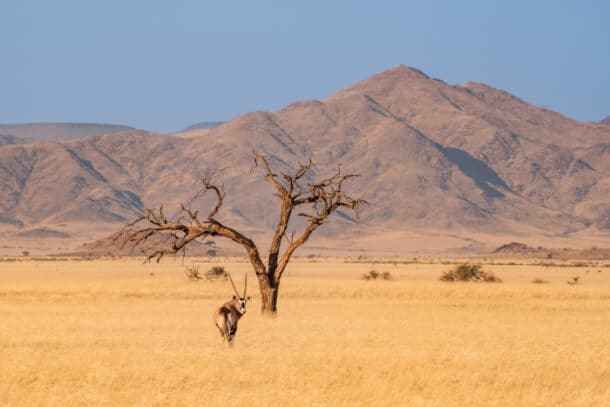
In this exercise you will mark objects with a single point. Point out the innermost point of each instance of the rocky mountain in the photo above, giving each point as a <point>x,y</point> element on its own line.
<point>606,120</point>
<point>58,131</point>
<point>446,168</point>
<point>520,250</point>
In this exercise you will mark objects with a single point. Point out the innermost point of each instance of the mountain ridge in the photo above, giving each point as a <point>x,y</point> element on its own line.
<point>453,160</point>
<point>59,130</point>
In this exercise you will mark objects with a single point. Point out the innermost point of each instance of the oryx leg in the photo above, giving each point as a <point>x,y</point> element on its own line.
<point>223,331</point>
<point>221,322</point>
<point>231,324</point>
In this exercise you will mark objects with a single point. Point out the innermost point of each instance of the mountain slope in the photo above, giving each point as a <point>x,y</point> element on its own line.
<point>468,163</point>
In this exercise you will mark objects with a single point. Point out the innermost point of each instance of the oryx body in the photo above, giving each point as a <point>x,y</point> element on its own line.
<point>227,316</point>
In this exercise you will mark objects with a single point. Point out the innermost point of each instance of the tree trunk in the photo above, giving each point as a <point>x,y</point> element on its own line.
<point>269,290</point>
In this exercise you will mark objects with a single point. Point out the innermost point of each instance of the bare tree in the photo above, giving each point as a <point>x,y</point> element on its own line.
<point>317,199</point>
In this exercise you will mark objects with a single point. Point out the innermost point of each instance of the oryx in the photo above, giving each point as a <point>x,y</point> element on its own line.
<point>228,314</point>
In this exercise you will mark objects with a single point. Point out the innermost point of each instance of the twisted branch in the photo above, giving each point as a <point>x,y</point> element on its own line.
<point>181,233</point>
<point>324,197</point>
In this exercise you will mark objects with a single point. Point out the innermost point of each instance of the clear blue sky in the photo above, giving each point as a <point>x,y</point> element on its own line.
<point>163,65</point>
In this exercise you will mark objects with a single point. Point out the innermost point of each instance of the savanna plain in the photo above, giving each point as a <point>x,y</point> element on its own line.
<point>119,332</point>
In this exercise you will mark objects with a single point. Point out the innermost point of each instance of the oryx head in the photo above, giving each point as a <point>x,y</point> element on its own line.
<point>240,300</point>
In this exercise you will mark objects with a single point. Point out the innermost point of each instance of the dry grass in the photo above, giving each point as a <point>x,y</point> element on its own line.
<point>106,332</point>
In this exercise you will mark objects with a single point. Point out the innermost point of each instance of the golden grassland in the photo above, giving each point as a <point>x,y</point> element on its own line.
<point>117,332</point>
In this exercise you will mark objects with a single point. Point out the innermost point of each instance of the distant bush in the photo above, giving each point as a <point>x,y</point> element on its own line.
<point>574,280</point>
<point>539,281</point>
<point>192,273</point>
<point>469,272</point>
<point>581,264</point>
<point>216,273</point>
<point>375,275</point>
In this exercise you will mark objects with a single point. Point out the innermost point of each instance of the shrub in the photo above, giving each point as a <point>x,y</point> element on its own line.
<point>192,273</point>
<point>574,280</point>
<point>216,272</point>
<point>581,264</point>
<point>539,281</point>
<point>469,272</point>
<point>375,275</point>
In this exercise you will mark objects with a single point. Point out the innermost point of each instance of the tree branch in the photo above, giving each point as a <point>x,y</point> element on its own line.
<point>270,175</point>
<point>325,197</point>
<point>180,234</point>
<point>290,192</point>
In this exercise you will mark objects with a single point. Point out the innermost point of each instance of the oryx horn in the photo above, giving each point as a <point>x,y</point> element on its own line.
<point>233,284</point>
<point>245,285</point>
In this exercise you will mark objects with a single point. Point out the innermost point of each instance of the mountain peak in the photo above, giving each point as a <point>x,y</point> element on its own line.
<point>403,72</point>
<point>396,77</point>
<point>400,74</point>
<point>606,120</point>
